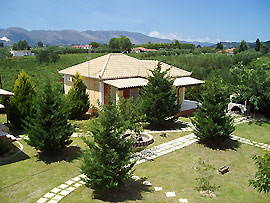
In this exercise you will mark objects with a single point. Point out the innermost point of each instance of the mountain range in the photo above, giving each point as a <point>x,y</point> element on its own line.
<point>68,37</point>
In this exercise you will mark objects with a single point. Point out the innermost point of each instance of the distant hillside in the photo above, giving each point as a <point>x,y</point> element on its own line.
<point>66,37</point>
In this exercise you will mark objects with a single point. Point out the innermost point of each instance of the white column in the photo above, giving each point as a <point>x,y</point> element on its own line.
<point>101,90</point>
<point>183,93</point>
<point>65,81</point>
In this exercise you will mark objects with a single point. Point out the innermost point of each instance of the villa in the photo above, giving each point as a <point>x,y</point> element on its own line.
<point>123,75</point>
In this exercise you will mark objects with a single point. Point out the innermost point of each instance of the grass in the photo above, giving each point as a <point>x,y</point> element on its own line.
<point>175,172</point>
<point>3,118</point>
<point>255,131</point>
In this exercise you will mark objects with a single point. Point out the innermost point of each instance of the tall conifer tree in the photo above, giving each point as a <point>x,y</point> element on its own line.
<point>106,161</point>
<point>21,104</point>
<point>158,98</point>
<point>212,125</point>
<point>77,97</point>
<point>48,129</point>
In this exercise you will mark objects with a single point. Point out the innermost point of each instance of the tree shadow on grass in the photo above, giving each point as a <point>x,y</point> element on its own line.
<point>68,154</point>
<point>13,155</point>
<point>168,125</point>
<point>132,191</point>
<point>225,145</point>
<point>259,122</point>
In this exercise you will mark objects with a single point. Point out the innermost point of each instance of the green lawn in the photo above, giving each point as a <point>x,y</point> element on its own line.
<point>259,132</point>
<point>175,172</point>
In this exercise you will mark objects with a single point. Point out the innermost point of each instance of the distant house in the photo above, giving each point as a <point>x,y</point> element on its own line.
<point>22,53</point>
<point>227,51</point>
<point>141,49</point>
<point>81,46</point>
<point>118,75</point>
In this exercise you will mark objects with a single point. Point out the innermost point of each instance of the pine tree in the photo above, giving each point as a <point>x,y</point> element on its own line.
<point>106,161</point>
<point>157,100</point>
<point>48,129</point>
<point>257,45</point>
<point>212,125</point>
<point>77,98</point>
<point>219,46</point>
<point>21,104</point>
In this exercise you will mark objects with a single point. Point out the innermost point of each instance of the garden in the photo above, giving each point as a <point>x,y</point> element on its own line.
<point>185,163</point>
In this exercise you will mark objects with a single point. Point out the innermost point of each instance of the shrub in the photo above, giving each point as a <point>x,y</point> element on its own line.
<point>77,98</point>
<point>48,129</point>
<point>262,176</point>
<point>21,104</point>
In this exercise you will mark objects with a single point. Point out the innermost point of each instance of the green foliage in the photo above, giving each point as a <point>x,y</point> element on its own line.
<point>122,43</point>
<point>4,52</point>
<point>258,45</point>
<point>263,48</point>
<point>95,45</point>
<point>173,45</point>
<point>130,113</point>
<point>21,45</point>
<point>106,161</point>
<point>262,176</point>
<point>219,46</point>
<point>21,104</point>
<point>205,175</point>
<point>48,129</point>
<point>40,44</point>
<point>243,46</point>
<point>77,98</point>
<point>253,84</point>
<point>157,100</point>
<point>212,125</point>
<point>47,55</point>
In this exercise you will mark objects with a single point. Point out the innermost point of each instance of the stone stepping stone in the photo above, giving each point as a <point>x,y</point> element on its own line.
<point>147,183</point>
<point>70,189</point>
<point>77,185</point>
<point>42,200</point>
<point>55,190</point>
<point>76,178</point>
<point>82,182</point>
<point>158,188</point>
<point>49,195</point>
<point>57,197</point>
<point>183,200</point>
<point>69,182</point>
<point>63,186</point>
<point>83,176</point>
<point>135,178</point>
<point>170,194</point>
<point>64,192</point>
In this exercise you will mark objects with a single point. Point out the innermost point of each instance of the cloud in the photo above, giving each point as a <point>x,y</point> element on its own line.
<point>173,36</point>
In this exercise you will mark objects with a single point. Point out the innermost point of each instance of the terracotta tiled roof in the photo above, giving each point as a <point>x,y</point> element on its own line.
<point>116,65</point>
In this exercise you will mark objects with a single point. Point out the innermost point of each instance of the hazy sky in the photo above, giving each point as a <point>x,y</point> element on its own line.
<point>200,20</point>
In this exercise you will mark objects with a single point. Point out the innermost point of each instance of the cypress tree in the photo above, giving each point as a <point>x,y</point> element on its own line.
<point>212,125</point>
<point>106,161</point>
<point>48,129</point>
<point>77,98</point>
<point>158,98</point>
<point>21,104</point>
<point>258,45</point>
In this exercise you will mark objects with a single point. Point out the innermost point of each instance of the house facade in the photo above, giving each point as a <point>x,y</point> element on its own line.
<point>123,75</point>
<point>22,53</point>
